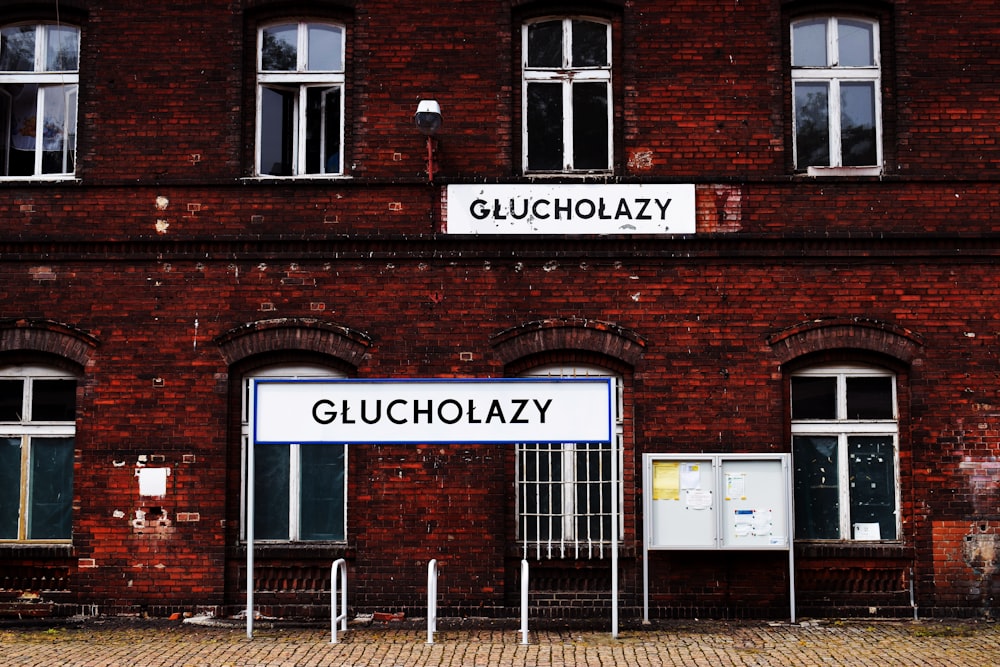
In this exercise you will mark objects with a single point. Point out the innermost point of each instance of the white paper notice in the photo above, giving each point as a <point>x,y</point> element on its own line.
<point>153,481</point>
<point>698,499</point>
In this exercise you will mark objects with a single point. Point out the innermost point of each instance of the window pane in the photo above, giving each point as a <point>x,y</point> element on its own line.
<point>857,43</point>
<point>590,126</point>
<point>17,49</point>
<point>541,492</point>
<point>53,400</point>
<point>50,510</point>
<point>321,508</point>
<point>593,492</point>
<point>325,48</point>
<point>271,487</point>
<point>590,44</point>
<point>277,131</point>
<point>873,487</point>
<point>817,494</point>
<point>10,487</point>
<point>322,130</point>
<point>59,107</point>
<point>809,44</point>
<point>545,126</point>
<point>63,50</point>
<point>11,400</point>
<point>857,123</point>
<point>814,398</point>
<point>279,48</point>
<point>869,398</point>
<point>545,44</point>
<point>812,125</point>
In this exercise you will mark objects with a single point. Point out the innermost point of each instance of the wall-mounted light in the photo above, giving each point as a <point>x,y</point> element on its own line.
<point>428,120</point>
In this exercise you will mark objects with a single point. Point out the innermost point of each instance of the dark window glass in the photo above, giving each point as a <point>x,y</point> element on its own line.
<point>873,488</point>
<point>545,126</point>
<point>817,494</point>
<point>541,498</point>
<point>11,400</point>
<point>590,44</point>
<point>812,124</point>
<point>814,398</point>
<point>277,131</point>
<point>857,124</point>
<point>593,492</point>
<point>869,398</point>
<point>590,126</point>
<point>53,400</point>
<point>279,48</point>
<point>271,487</point>
<point>17,49</point>
<point>321,508</point>
<point>10,487</point>
<point>50,511</point>
<point>545,44</point>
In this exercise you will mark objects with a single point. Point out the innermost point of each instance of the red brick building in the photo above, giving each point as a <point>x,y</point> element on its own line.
<point>773,224</point>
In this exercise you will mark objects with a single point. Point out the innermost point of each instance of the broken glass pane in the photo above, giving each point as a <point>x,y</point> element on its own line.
<point>871,462</point>
<point>817,490</point>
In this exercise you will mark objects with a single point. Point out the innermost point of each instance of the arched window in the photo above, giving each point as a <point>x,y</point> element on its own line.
<point>845,436</point>
<point>564,491</point>
<point>37,435</point>
<point>39,82</point>
<point>300,99</point>
<point>299,490</point>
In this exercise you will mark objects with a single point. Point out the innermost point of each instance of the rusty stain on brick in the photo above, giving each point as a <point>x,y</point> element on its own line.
<point>42,273</point>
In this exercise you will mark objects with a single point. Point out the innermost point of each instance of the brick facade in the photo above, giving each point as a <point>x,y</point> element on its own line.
<point>164,271</point>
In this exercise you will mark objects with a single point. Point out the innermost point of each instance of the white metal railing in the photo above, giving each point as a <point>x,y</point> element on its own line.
<point>524,602</point>
<point>339,566</point>
<point>432,587</point>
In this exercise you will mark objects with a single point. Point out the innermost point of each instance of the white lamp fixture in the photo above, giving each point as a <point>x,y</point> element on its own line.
<point>428,120</point>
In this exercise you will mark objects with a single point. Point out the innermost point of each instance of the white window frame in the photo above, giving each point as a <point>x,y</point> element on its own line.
<point>843,429</point>
<point>301,81</point>
<point>284,372</point>
<point>567,75</point>
<point>49,82</point>
<point>570,545</point>
<point>834,75</point>
<point>27,431</point>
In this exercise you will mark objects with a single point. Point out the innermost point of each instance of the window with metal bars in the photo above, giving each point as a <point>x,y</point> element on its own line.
<point>564,490</point>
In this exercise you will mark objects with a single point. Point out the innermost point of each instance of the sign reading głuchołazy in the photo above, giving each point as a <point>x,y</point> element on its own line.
<point>308,411</point>
<point>571,209</point>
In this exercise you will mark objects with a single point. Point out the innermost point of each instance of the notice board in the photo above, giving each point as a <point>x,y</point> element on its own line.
<point>717,501</point>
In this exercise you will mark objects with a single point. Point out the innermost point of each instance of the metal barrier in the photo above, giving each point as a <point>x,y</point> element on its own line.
<point>432,588</point>
<point>524,602</point>
<point>339,565</point>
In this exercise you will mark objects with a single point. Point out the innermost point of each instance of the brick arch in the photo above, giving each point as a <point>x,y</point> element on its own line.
<point>846,333</point>
<point>282,335</point>
<point>47,336</point>
<point>533,338</point>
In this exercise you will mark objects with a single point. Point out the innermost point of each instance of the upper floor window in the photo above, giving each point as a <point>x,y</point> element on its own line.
<point>37,431</point>
<point>566,96</point>
<point>836,88</point>
<point>565,489</point>
<point>844,444</point>
<point>300,99</point>
<point>299,490</point>
<point>39,83</point>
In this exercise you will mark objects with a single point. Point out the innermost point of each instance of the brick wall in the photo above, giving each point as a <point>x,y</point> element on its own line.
<point>152,269</point>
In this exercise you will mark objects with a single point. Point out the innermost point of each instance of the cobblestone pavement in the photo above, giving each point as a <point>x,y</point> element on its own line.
<point>138,643</point>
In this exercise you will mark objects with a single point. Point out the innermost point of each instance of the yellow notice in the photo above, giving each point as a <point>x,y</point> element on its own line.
<point>666,480</point>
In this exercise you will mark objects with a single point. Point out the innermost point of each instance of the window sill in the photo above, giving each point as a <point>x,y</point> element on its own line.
<point>297,179</point>
<point>825,172</point>
<point>40,180</point>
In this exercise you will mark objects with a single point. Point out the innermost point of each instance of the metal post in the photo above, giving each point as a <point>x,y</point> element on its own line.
<point>524,602</point>
<point>339,565</point>
<point>432,574</point>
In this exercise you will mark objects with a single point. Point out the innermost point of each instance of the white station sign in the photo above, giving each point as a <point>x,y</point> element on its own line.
<point>432,411</point>
<point>555,208</point>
